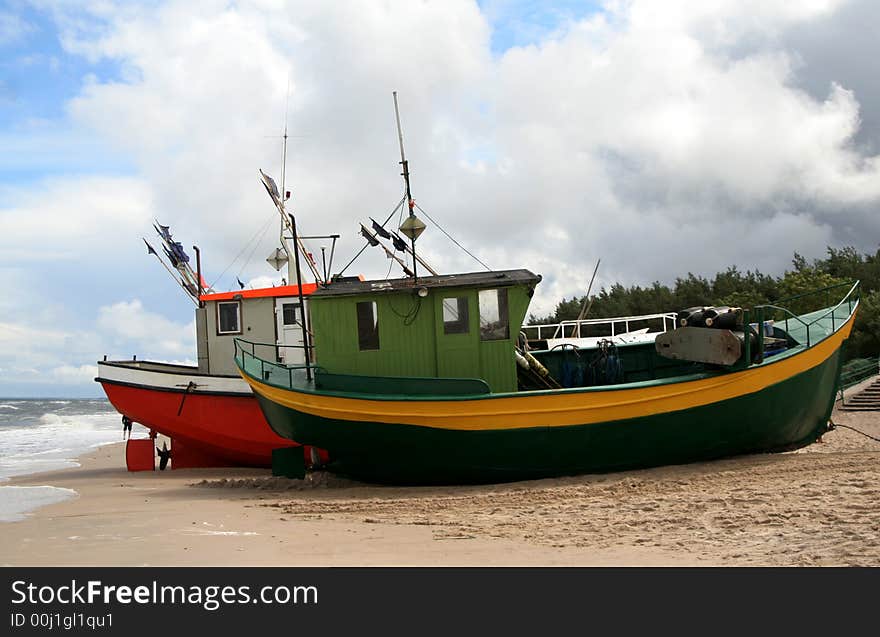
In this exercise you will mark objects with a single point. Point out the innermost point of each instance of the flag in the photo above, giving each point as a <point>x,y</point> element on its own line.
<point>240,284</point>
<point>174,262</point>
<point>177,249</point>
<point>382,232</point>
<point>399,244</point>
<point>373,241</point>
<point>164,231</point>
<point>150,249</point>
<point>271,188</point>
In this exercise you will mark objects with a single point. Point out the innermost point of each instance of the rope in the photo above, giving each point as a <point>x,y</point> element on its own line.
<point>410,316</point>
<point>834,425</point>
<point>439,227</point>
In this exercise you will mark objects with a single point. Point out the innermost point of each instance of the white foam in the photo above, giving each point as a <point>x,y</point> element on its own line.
<point>8,406</point>
<point>51,441</point>
<point>54,441</point>
<point>16,502</point>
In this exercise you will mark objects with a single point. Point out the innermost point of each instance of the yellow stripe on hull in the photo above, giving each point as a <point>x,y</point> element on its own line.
<point>557,409</point>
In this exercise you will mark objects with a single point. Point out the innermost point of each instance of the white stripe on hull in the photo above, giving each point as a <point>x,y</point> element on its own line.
<point>178,379</point>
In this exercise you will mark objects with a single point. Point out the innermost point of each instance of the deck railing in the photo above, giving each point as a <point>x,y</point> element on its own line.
<point>272,372</point>
<point>761,313</point>
<point>607,326</point>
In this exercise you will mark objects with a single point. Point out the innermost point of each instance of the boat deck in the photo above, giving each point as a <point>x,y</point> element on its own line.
<point>639,363</point>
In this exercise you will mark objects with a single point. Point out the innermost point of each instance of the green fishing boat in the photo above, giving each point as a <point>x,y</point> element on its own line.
<point>425,380</point>
<point>429,379</point>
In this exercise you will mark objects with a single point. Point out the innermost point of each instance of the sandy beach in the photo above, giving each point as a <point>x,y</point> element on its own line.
<point>816,506</point>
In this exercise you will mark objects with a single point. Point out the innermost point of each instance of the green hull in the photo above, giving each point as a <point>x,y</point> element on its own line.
<point>789,414</point>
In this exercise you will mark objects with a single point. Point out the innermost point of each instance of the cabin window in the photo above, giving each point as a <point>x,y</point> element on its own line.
<point>455,315</point>
<point>290,314</point>
<point>229,318</point>
<point>493,315</point>
<point>368,325</point>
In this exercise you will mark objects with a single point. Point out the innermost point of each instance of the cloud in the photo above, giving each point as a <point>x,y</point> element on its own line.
<point>127,322</point>
<point>644,126</point>
<point>13,28</point>
<point>642,140</point>
<point>34,355</point>
<point>663,138</point>
<point>71,217</point>
<point>70,375</point>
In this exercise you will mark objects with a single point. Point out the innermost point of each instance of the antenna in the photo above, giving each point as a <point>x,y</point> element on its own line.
<point>287,218</point>
<point>585,309</point>
<point>284,151</point>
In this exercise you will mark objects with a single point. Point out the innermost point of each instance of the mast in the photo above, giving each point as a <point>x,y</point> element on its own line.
<point>413,226</point>
<point>295,258</point>
<point>284,192</point>
<point>588,302</point>
<point>283,198</point>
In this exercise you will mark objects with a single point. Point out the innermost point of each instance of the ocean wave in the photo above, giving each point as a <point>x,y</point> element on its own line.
<point>8,406</point>
<point>52,441</point>
<point>79,421</point>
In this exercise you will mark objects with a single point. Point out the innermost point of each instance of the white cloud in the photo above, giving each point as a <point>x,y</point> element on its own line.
<point>263,282</point>
<point>73,217</point>
<point>127,322</point>
<point>638,120</point>
<point>660,137</point>
<point>40,355</point>
<point>70,375</point>
<point>13,28</point>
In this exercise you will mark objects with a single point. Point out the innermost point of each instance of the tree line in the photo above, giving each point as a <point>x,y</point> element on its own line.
<point>747,289</point>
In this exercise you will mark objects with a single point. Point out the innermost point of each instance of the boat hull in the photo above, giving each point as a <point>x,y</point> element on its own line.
<point>219,421</point>
<point>772,407</point>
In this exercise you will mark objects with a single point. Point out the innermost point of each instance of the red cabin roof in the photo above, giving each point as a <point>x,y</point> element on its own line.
<point>281,290</point>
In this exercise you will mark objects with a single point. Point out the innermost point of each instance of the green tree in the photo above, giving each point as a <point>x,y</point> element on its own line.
<point>735,288</point>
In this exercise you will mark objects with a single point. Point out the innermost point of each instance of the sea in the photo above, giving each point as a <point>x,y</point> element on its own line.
<point>39,435</point>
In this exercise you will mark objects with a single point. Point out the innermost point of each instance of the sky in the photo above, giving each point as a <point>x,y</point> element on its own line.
<point>662,137</point>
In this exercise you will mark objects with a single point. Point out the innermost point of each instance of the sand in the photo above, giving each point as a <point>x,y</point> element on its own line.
<point>816,506</point>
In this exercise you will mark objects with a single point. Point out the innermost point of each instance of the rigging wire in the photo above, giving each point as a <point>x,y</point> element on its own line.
<point>439,227</point>
<point>390,265</point>
<point>261,231</point>
<point>399,222</point>
<point>254,249</point>
<point>359,252</point>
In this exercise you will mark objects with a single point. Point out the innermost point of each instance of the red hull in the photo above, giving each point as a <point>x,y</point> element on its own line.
<point>230,428</point>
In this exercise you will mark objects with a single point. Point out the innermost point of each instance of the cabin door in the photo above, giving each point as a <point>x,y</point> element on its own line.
<point>288,320</point>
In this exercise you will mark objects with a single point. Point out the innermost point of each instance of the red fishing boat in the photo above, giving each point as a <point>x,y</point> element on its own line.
<point>207,410</point>
<point>209,414</point>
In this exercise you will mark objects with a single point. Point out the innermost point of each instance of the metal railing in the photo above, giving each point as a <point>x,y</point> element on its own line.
<point>760,312</point>
<point>269,370</point>
<point>855,372</point>
<point>573,328</point>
